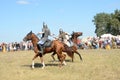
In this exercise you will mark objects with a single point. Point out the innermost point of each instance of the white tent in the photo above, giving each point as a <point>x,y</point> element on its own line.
<point>107,35</point>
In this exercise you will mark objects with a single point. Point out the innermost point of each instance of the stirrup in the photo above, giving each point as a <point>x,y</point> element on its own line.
<point>40,52</point>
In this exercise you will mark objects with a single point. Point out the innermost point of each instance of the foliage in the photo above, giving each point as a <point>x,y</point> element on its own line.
<point>107,23</point>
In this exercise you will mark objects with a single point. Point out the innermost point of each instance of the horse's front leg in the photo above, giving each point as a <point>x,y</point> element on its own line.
<point>36,55</point>
<point>64,62</point>
<point>62,59</point>
<point>78,54</point>
<point>42,61</point>
<point>64,56</point>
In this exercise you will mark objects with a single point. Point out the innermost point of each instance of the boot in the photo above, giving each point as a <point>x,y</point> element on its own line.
<point>40,47</point>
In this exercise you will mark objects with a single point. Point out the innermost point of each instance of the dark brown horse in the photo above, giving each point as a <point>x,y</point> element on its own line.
<point>73,49</point>
<point>74,39</point>
<point>54,47</point>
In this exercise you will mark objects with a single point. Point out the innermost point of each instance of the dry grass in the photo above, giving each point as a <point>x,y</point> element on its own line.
<point>96,65</point>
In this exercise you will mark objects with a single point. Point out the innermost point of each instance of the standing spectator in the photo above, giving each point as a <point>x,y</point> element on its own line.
<point>0,47</point>
<point>3,47</point>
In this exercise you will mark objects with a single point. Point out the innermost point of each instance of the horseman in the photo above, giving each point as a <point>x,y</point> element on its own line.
<point>64,37</point>
<point>45,34</point>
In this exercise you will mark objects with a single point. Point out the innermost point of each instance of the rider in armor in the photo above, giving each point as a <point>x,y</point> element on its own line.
<point>45,33</point>
<point>64,37</point>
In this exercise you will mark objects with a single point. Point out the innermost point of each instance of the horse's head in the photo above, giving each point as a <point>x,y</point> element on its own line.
<point>30,36</point>
<point>76,34</point>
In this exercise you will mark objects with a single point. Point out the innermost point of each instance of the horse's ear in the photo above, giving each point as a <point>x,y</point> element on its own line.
<point>31,31</point>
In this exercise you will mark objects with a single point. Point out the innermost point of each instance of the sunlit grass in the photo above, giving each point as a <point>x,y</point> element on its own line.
<point>96,65</point>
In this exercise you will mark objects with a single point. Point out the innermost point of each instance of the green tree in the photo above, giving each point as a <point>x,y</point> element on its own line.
<point>115,22</point>
<point>101,22</point>
<point>107,23</point>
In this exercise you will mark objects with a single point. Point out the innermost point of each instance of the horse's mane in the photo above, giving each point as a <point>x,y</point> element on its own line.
<point>72,36</point>
<point>36,36</point>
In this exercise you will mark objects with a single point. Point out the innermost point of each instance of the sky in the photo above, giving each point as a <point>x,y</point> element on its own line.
<point>19,17</point>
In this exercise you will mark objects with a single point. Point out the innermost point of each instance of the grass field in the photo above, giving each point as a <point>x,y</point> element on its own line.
<point>96,65</point>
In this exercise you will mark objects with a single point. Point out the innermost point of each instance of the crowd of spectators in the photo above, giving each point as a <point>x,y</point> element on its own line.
<point>15,46</point>
<point>99,43</point>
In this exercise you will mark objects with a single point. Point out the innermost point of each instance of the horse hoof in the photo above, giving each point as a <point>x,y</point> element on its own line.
<point>64,63</point>
<point>43,67</point>
<point>33,67</point>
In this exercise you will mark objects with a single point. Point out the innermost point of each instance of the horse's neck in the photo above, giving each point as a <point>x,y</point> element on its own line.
<point>34,44</point>
<point>34,41</point>
<point>74,40</point>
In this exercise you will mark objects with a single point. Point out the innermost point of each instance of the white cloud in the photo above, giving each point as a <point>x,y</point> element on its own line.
<point>22,2</point>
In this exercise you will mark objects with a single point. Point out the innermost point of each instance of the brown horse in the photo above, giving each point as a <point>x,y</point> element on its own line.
<point>54,47</point>
<point>73,49</point>
<point>74,39</point>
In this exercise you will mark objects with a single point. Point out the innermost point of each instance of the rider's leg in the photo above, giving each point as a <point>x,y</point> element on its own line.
<point>67,43</point>
<point>40,46</point>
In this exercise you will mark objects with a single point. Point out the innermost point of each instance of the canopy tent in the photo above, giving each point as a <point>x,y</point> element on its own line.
<point>107,35</point>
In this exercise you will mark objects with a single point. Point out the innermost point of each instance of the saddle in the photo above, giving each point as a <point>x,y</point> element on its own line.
<point>47,43</point>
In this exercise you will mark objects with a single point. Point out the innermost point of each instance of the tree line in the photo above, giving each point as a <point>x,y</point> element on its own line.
<point>107,23</point>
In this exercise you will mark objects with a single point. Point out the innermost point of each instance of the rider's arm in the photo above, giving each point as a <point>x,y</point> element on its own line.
<point>40,32</point>
<point>67,34</point>
<point>52,34</point>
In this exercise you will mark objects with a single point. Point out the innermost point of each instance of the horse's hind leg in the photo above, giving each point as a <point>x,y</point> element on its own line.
<point>53,56</point>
